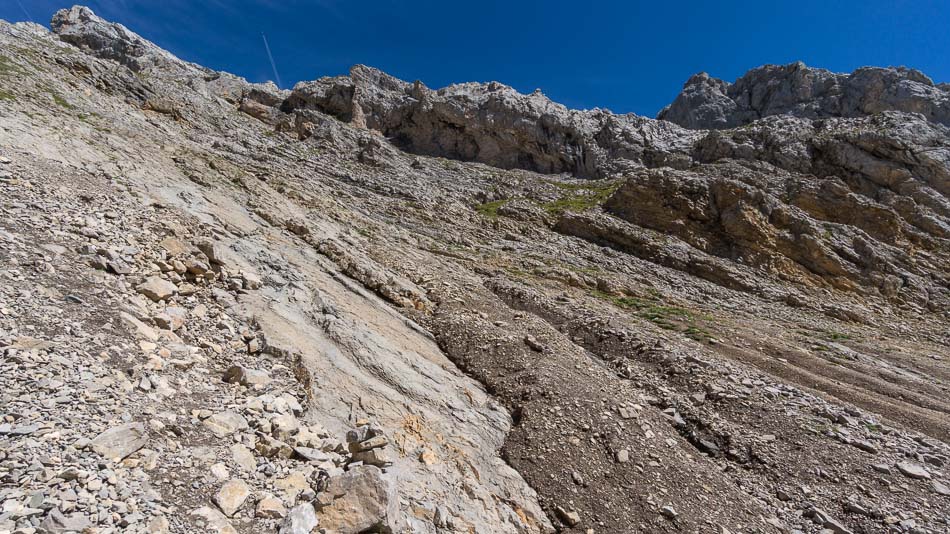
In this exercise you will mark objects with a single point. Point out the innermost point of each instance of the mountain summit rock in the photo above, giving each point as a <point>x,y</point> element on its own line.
<point>801,91</point>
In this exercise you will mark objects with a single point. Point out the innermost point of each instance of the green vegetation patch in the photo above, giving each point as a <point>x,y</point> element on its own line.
<point>94,120</point>
<point>7,66</point>
<point>824,335</point>
<point>57,98</point>
<point>515,271</point>
<point>581,197</point>
<point>60,101</point>
<point>490,209</point>
<point>697,333</point>
<point>661,314</point>
<point>6,95</point>
<point>874,427</point>
<point>831,335</point>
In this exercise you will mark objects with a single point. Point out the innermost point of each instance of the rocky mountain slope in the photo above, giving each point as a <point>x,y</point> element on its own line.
<point>364,305</point>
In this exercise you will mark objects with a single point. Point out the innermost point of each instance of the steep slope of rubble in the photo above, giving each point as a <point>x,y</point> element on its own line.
<point>368,306</point>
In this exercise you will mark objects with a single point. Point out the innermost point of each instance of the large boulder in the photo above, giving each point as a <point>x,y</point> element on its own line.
<point>360,500</point>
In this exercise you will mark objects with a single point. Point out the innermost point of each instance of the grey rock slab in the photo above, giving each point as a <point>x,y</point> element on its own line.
<point>312,455</point>
<point>172,318</point>
<point>912,470</point>
<point>174,246</point>
<point>158,525</point>
<point>57,522</point>
<point>568,517</point>
<point>139,328</point>
<point>226,423</point>
<point>940,488</point>
<point>210,250</point>
<point>823,519</point>
<point>119,442</point>
<point>270,507</point>
<point>18,430</point>
<point>369,444</point>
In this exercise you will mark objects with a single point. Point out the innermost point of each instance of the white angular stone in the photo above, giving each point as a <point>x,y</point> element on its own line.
<point>232,495</point>
<point>215,521</point>
<point>226,423</point>
<point>302,519</point>
<point>157,288</point>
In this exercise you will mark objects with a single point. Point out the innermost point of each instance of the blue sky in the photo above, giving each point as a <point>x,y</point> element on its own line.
<point>621,55</point>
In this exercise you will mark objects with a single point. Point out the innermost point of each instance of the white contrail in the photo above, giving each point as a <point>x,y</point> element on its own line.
<point>272,64</point>
<point>25,12</point>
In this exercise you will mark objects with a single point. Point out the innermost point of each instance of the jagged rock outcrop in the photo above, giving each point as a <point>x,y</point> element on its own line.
<point>82,28</point>
<point>806,92</point>
<point>801,228</point>
<point>896,159</point>
<point>494,124</point>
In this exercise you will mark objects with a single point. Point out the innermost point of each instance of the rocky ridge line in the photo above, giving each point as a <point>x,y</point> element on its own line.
<point>801,91</point>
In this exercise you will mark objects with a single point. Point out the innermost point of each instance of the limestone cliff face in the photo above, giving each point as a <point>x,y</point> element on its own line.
<point>492,123</point>
<point>801,91</point>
